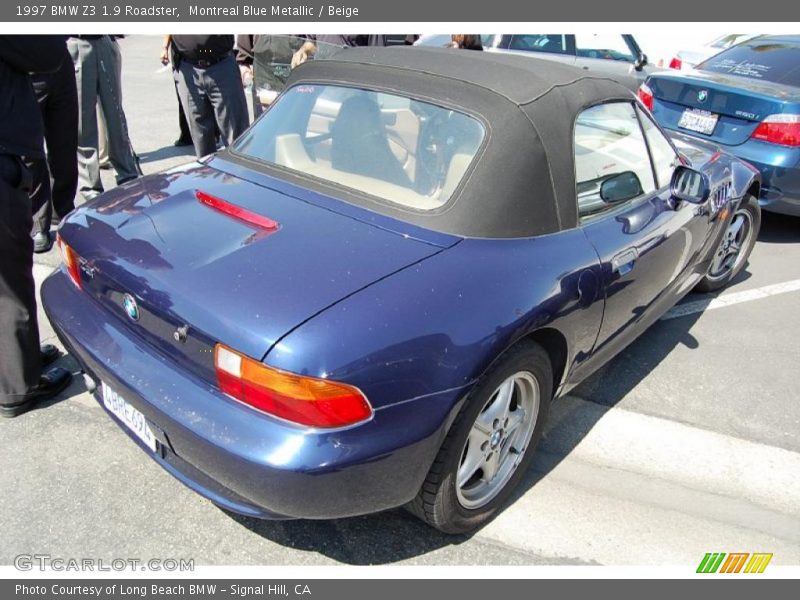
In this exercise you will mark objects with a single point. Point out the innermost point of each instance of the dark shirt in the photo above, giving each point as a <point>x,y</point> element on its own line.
<point>21,130</point>
<point>203,47</point>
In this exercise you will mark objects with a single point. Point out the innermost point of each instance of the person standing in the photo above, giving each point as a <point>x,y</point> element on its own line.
<point>320,46</point>
<point>97,73</point>
<point>57,96</point>
<point>22,383</point>
<point>210,88</point>
<point>265,62</point>
<point>102,131</point>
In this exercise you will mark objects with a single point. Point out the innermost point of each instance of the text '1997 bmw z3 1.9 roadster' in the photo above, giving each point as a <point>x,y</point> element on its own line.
<point>371,299</point>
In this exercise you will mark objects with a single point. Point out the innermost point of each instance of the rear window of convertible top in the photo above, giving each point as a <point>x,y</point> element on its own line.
<point>404,151</point>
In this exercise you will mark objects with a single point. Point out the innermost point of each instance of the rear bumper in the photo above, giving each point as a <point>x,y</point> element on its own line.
<point>780,174</point>
<point>240,459</point>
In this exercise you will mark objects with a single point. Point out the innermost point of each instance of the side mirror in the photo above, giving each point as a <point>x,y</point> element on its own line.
<point>620,187</point>
<point>689,185</point>
<point>640,62</point>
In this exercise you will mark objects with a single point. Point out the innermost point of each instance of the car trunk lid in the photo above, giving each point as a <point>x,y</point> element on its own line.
<point>740,103</point>
<point>198,274</point>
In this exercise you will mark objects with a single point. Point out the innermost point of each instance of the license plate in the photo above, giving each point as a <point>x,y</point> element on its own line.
<point>700,121</point>
<point>132,418</point>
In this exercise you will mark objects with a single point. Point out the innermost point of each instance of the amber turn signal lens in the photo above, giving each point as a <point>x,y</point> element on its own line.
<point>71,261</point>
<point>305,400</point>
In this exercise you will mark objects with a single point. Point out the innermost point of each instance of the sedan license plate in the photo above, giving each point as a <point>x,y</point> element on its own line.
<point>132,418</point>
<point>700,121</point>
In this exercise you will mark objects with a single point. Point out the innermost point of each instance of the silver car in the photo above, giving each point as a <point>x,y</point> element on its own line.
<point>617,56</point>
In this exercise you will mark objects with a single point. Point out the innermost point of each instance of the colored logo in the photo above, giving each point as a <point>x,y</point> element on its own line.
<point>130,306</point>
<point>735,562</point>
<point>702,95</point>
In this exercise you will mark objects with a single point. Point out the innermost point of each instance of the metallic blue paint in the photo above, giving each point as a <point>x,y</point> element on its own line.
<point>411,317</point>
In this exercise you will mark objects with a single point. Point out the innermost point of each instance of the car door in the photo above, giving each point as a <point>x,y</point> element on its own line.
<point>609,54</point>
<point>556,47</point>
<point>646,242</point>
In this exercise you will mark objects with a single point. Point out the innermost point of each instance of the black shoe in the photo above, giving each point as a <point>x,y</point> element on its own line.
<point>48,354</point>
<point>42,242</point>
<point>50,385</point>
<point>182,141</point>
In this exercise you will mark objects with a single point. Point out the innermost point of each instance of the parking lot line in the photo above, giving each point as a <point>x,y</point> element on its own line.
<point>688,308</point>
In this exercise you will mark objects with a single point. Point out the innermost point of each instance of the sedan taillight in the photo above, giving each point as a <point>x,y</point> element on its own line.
<point>646,96</point>
<point>305,400</point>
<point>779,129</point>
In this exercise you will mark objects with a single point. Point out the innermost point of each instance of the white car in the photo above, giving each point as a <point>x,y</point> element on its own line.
<point>689,59</point>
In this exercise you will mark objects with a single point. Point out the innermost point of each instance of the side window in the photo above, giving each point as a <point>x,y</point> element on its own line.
<point>603,45</point>
<point>612,165</point>
<point>664,157</point>
<point>539,42</point>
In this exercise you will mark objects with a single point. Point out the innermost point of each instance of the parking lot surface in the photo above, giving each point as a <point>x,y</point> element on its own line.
<point>687,442</point>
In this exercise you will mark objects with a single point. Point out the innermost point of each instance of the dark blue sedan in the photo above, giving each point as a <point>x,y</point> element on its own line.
<point>746,99</point>
<point>371,299</point>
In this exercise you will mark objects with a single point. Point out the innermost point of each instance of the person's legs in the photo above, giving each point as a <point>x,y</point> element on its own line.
<point>102,139</point>
<point>185,137</point>
<point>224,88</point>
<point>40,194</point>
<point>19,331</point>
<point>199,113</point>
<point>85,61</point>
<point>61,137</point>
<point>120,151</point>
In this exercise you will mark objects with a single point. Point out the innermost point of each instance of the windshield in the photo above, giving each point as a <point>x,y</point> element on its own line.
<point>404,151</point>
<point>776,60</point>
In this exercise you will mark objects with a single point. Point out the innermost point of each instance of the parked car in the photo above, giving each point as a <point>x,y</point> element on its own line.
<point>613,55</point>
<point>746,100</point>
<point>687,59</point>
<point>371,299</point>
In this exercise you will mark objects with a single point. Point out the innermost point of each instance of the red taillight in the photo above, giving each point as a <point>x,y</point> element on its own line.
<point>646,96</point>
<point>71,261</point>
<point>298,398</point>
<point>779,129</point>
<point>676,63</point>
<point>237,212</point>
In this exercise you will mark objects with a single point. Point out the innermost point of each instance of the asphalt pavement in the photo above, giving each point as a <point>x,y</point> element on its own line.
<point>688,442</point>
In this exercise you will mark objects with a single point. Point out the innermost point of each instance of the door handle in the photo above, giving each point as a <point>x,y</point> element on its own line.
<point>624,262</point>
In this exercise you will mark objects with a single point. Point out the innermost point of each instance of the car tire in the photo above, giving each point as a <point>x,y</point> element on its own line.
<point>740,236</point>
<point>522,380</point>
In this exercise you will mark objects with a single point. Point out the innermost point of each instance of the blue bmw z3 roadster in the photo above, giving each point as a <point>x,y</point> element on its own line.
<point>371,299</point>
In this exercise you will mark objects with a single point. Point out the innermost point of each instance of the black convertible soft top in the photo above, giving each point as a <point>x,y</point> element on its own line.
<point>522,182</point>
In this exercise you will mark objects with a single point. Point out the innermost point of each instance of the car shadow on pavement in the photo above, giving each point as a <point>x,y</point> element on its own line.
<point>380,538</point>
<point>167,152</point>
<point>779,229</point>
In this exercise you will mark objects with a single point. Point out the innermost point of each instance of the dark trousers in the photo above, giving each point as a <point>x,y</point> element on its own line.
<point>185,134</point>
<point>57,95</point>
<point>96,64</point>
<point>212,96</point>
<point>19,330</point>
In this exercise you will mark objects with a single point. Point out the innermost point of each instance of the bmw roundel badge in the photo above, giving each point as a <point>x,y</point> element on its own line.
<point>702,95</point>
<point>130,306</point>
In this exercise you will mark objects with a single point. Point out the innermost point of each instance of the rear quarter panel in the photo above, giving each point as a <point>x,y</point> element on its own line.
<point>438,324</point>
